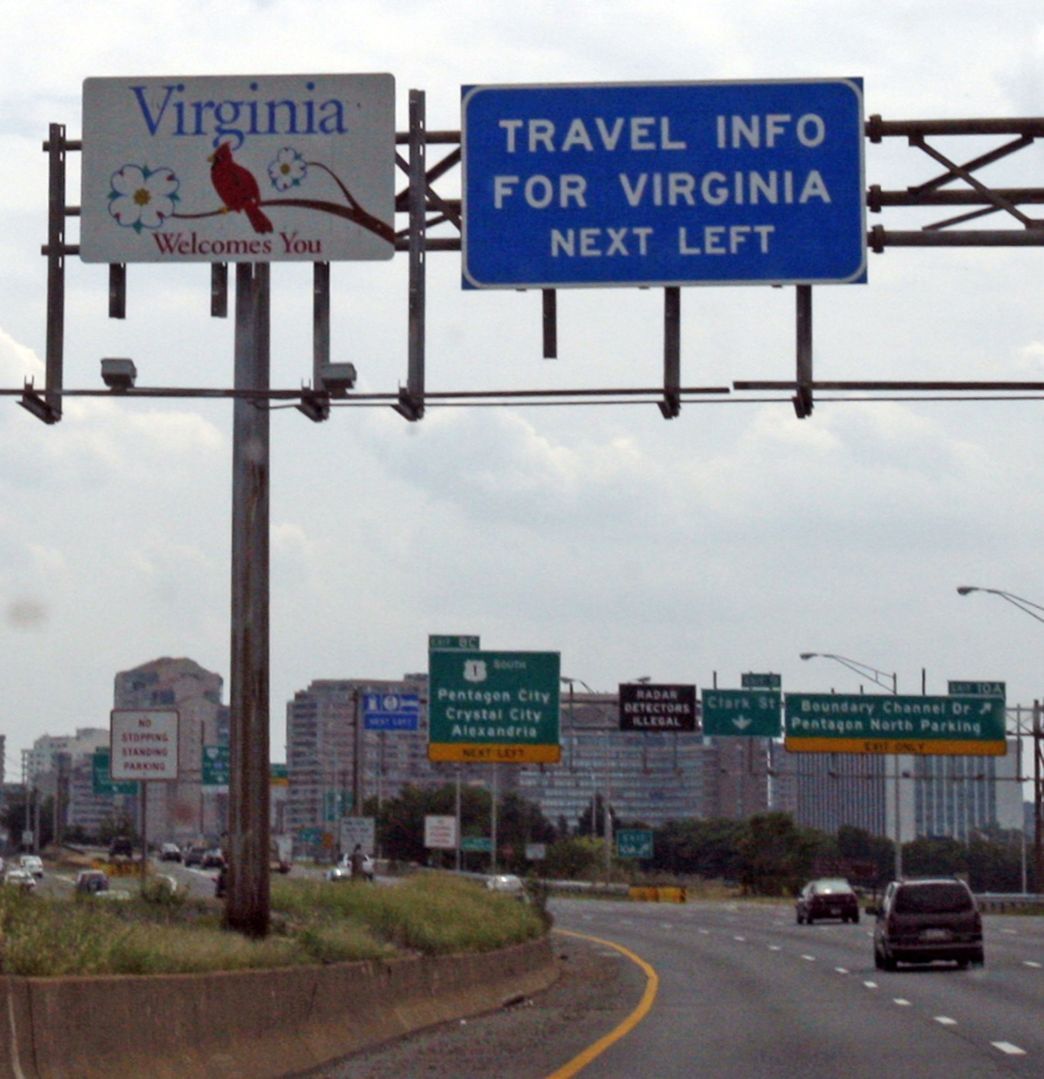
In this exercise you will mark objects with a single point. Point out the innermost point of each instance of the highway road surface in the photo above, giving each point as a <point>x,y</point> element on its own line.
<point>738,989</point>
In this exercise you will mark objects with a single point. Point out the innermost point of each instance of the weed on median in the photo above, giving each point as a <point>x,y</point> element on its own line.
<point>312,922</point>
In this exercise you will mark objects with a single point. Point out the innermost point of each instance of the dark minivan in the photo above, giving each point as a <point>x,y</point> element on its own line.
<point>920,921</point>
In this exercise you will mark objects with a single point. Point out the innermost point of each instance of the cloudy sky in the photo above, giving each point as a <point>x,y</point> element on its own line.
<point>729,539</point>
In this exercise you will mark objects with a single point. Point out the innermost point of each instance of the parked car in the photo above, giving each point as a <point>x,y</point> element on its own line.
<point>827,898</point>
<point>338,872</point>
<point>91,881</point>
<point>170,852</point>
<point>920,921</point>
<point>32,863</point>
<point>20,878</point>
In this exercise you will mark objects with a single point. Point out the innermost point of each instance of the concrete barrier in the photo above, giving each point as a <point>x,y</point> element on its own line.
<point>258,1023</point>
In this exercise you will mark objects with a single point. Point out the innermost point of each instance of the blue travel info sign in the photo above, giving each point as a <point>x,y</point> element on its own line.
<point>721,183</point>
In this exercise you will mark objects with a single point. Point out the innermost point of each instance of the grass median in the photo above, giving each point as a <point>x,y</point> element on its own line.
<point>312,922</point>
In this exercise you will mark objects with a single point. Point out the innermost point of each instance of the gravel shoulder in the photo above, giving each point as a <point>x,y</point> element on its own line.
<point>596,989</point>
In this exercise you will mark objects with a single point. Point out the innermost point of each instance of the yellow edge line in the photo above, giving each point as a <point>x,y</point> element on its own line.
<point>652,984</point>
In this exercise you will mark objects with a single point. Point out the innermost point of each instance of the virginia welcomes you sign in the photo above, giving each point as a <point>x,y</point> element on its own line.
<point>248,168</point>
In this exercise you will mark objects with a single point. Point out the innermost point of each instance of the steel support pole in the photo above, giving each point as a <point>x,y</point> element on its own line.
<point>248,901</point>
<point>357,762</point>
<point>456,803</point>
<point>1038,809</point>
<point>493,821</point>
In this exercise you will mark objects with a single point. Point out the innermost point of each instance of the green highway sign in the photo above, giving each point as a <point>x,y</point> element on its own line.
<point>493,706</point>
<point>217,766</point>
<point>477,843</point>
<point>102,784</point>
<point>751,680</point>
<point>874,723</point>
<point>452,642</point>
<point>977,689</point>
<point>634,843</point>
<point>741,712</point>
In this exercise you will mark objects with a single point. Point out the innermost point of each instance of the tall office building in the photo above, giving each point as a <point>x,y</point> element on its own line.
<point>827,790</point>
<point>334,763</point>
<point>951,796</point>
<point>646,776</point>
<point>957,796</point>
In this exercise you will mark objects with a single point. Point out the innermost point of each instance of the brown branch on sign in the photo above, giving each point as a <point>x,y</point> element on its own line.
<point>353,213</point>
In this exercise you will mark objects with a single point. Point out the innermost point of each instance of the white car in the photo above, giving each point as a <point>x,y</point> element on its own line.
<point>343,869</point>
<point>32,863</point>
<point>506,883</point>
<point>20,878</point>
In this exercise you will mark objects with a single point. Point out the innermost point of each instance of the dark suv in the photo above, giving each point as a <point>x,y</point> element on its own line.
<point>920,921</point>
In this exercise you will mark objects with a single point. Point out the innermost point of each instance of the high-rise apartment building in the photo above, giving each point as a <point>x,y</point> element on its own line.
<point>334,763</point>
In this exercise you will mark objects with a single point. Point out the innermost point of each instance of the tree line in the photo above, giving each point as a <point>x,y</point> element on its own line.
<point>765,854</point>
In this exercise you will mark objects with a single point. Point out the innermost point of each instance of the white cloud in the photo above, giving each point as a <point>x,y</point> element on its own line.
<point>730,537</point>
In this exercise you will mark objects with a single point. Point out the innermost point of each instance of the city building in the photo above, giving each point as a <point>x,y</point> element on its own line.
<point>649,777</point>
<point>957,796</point>
<point>334,763</point>
<point>951,796</point>
<point>828,790</point>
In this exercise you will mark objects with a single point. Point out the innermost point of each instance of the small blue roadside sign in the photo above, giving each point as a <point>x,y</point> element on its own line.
<point>663,184</point>
<point>391,711</point>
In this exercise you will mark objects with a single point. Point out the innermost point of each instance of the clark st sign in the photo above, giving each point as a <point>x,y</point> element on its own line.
<point>871,723</point>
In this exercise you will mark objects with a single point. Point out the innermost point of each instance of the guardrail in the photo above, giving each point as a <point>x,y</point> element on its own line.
<point>999,902</point>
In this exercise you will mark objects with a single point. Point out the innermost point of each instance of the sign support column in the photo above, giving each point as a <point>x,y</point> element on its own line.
<point>247,906</point>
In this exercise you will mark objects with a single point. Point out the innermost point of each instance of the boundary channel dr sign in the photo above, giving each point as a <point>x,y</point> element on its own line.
<point>249,168</point>
<point>494,706</point>
<point>871,723</point>
<point>663,184</point>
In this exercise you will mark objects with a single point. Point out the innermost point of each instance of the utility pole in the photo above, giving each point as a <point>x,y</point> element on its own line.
<point>1038,809</point>
<point>247,907</point>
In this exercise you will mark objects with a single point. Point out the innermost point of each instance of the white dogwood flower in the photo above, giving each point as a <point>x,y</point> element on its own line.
<point>142,198</point>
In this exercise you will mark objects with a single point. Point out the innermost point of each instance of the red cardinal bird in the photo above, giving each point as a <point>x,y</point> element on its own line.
<point>237,188</point>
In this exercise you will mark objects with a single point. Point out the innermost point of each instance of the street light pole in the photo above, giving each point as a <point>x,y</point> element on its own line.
<point>877,676</point>
<point>1034,610</point>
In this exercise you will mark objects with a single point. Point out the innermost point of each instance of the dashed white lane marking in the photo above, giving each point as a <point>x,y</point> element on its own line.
<point>901,1001</point>
<point>740,939</point>
<point>841,970</point>
<point>1011,932</point>
<point>773,948</point>
<point>1030,963</point>
<point>946,1021</point>
<point>1007,1047</point>
<point>809,958</point>
<point>870,985</point>
<point>705,932</point>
